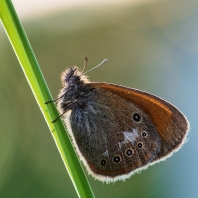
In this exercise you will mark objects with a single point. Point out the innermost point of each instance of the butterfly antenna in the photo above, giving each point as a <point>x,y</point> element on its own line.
<point>104,61</point>
<point>85,64</point>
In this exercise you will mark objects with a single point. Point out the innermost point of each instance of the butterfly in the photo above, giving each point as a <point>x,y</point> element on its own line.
<point>117,130</point>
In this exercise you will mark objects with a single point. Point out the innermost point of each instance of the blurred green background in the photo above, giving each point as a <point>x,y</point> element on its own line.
<point>151,46</point>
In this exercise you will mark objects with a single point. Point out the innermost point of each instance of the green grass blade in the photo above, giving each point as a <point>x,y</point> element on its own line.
<point>29,64</point>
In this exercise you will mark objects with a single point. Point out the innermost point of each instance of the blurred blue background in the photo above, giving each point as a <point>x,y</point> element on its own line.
<point>151,46</point>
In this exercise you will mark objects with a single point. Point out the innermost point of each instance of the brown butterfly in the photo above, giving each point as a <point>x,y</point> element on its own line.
<point>117,130</point>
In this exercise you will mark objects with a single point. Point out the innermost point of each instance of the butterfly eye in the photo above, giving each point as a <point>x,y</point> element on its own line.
<point>116,159</point>
<point>136,117</point>
<point>144,134</point>
<point>73,80</point>
<point>140,144</point>
<point>129,152</point>
<point>103,162</point>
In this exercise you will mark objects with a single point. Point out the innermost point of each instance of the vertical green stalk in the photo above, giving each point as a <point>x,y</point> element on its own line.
<point>31,69</point>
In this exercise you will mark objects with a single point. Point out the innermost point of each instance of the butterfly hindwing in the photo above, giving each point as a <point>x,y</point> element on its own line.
<point>115,136</point>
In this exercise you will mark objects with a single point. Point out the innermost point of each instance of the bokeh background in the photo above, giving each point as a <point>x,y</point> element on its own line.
<point>150,45</point>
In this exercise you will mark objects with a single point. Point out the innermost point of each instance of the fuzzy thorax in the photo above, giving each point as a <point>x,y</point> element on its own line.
<point>73,86</point>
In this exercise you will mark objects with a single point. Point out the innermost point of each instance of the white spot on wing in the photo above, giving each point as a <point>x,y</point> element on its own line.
<point>129,136</point>
<point>106,153</point>
<point>120,144</point>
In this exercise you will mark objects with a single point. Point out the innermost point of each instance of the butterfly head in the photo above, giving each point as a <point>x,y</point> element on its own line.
<point>73,78</point>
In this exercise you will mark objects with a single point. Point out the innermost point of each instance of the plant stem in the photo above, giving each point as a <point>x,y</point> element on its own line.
<point>34,76</point>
